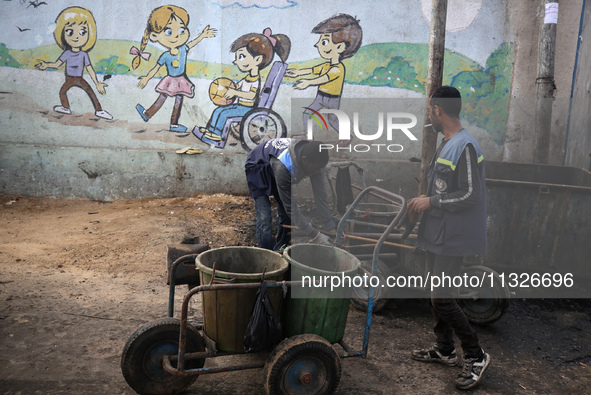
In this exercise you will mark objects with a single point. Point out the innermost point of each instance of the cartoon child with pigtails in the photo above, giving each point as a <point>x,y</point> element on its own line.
<point>253,52</point>
<point>167,26</point>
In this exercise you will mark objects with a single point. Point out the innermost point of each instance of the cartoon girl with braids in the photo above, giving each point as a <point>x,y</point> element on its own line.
<point>167,26</point>
<point>253,52</point>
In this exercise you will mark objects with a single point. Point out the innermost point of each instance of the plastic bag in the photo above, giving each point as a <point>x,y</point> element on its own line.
<point>264,328</point>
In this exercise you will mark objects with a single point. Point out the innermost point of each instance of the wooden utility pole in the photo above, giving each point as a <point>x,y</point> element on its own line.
<point>434,81</point>
<point>545,82</point>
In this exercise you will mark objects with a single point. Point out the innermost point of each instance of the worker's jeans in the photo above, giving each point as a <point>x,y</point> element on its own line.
<point>449,317</point>
<point>262,206</point>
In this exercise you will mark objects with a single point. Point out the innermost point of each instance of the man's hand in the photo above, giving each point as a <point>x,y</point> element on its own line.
<point>413,214</point>
<point>322,239</point>
<point>418,205</point>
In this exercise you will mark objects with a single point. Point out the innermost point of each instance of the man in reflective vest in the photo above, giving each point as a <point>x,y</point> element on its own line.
<point>271,169</point>
<point>453,225</point>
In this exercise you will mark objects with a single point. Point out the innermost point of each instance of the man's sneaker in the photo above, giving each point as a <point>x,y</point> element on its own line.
<point>473,370</point>
<point>103,114</point>
<point>62,110</point>
<point>434,355</point>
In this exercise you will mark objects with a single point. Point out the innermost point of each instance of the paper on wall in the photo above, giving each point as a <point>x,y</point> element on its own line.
<point>551,15</point>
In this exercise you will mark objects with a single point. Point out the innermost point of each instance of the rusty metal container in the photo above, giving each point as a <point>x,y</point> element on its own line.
<point>226,312</point>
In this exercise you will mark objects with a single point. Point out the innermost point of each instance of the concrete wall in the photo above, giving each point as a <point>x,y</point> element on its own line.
<point>491,58</point>
<point>578,151</point>
<point>525,20</point>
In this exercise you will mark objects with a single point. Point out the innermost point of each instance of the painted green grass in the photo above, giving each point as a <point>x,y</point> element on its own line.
<point>485,88</point>
<point>112,57</point>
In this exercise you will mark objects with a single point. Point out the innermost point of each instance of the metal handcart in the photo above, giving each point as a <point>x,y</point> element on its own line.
<point>167,356</point>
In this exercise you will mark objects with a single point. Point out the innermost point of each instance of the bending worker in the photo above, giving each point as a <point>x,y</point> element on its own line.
<point>271,169</point>
<point>453,225</point>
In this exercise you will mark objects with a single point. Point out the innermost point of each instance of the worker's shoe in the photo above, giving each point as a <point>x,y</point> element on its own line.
<point>435,355</point>
<point>473,370</point>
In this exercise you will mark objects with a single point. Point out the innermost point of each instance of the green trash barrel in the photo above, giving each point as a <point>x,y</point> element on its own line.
<point>317,309</point>
<point>226,312</point>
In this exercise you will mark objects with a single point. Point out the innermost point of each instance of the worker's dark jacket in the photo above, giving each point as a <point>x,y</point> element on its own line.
<point>455,224</point>
<point>259,174</point>
<point>271,169</point>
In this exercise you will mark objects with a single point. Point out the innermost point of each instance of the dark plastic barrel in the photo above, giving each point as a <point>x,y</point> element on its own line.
<point>226,312</point>
<point>318,310</point>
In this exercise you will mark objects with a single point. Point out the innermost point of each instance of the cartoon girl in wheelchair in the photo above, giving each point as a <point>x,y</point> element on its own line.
<point>244,102</point>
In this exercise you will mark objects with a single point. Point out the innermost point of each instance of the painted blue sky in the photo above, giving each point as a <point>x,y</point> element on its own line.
<point>476,27</point>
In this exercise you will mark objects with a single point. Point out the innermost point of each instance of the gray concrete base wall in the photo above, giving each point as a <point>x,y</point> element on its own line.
<point>108,174</point>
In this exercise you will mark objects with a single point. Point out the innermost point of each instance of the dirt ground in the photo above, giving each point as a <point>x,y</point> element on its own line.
<point>77,278</point>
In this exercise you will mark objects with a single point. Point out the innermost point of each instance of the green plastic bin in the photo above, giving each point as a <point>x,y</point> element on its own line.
<point>226,312</point>
<point>318,310</point>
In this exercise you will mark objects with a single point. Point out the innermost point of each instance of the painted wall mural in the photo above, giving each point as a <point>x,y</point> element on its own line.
<point>231,68</point>
<point>75,34</point>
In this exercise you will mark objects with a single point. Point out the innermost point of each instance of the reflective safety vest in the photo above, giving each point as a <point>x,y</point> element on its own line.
<point>285,158</point>
<point>459,233</point>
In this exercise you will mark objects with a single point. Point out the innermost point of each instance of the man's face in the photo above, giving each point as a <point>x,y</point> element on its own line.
<point>309,167</point>
<point>434,117</point>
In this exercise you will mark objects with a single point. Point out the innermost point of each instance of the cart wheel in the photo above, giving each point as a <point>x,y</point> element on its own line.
<point>260,125</point>
<point>361,294</point>
<point>489,303</point>
<point>302,364</point>
<point>141,360</point>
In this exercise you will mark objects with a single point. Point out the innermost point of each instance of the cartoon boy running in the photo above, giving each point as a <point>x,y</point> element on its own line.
<point>340,38</point>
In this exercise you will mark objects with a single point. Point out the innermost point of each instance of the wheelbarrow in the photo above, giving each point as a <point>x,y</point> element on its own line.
<point>168,355</point>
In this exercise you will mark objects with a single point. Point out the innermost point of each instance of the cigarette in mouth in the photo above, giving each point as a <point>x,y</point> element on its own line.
<point>428,125</point>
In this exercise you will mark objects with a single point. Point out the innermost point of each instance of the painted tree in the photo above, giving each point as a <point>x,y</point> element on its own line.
<point>486,92</point>
<point>398,73</point>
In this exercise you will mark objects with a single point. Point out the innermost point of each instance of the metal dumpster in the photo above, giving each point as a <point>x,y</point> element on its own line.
<point>539,222</point>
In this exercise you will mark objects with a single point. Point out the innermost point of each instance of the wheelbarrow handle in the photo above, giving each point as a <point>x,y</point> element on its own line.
<point>380,191</point>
